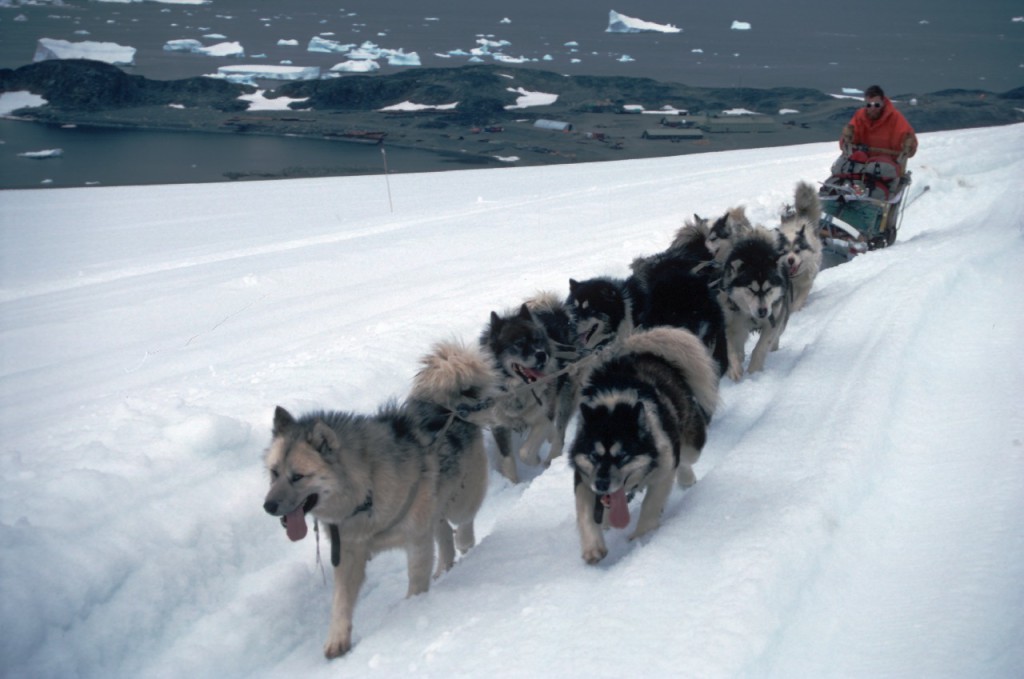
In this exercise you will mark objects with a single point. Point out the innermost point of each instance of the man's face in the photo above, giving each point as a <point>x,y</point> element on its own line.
<point>875,106</point>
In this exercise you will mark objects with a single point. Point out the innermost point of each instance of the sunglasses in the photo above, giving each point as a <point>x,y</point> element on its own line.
<point>874,104</point>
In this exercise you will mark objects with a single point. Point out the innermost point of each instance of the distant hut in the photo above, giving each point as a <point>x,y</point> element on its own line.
<point>558,125</point>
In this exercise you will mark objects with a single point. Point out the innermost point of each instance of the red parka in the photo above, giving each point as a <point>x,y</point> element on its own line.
<point>890,131</point>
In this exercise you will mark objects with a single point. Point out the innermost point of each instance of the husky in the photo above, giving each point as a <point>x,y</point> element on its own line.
<point>530,348</point>
<point>400,478</point>
<point>644,412</point>
<point>799,244</point>
<point>679,288</point>
<point>602,309</point>
<point>755,296</point>
<point>450,402</point>
<point>726,231</point>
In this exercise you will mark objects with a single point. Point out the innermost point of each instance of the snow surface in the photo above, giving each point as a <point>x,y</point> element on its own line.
<point>12,101</point>
<point>859,510</point>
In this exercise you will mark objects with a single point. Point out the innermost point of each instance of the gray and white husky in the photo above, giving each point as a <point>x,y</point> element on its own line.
<point>400,478</point>
<point>755,296</point>
<point>644,411</point>
<point>799,244</point>
<point>531,346</point>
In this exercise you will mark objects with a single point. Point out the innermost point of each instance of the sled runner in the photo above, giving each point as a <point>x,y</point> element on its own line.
<point>860,202</point>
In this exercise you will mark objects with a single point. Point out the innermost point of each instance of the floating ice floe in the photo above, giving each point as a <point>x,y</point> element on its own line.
<point>259,102</point>
<point>625,58</point>
<point>287,43</point>
<point>410,106</point>
<point>787,111</point>
<point>221,49</point>
<point>109,52</point>
<point>39,155</point>
<point>12,101</point>
<point>318,44</point>
<point>740,26</point>
<point>356,66</point>
<point>527,98</point>
<point>620,23</point>
<point>249,74</point>
<point>740,112</point>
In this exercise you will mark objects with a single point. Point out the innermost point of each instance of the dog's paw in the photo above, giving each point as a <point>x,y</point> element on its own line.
<point>735,374</point>
<point>594,554</point>
<point>335,648</point>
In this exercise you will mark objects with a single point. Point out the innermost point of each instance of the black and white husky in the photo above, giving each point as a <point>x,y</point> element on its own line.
<point>755,297</point>
<point>644,412</point>
<point>531,346</point>
<point>799,244</point>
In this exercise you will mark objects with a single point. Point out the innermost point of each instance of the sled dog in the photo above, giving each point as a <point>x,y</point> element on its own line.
<point>644,411</point>
<point>450,402</point>
<point>530,347</point>
<point>755,296</point>
<point>726,231</point>
<point>799,244</point>
<point>400,478</point>
<point>602,309</point>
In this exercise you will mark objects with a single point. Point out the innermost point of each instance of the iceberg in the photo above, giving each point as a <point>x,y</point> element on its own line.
<point>48,153</point>
<point>110,52</point>
<point>249,74</point>
<point>221,49</point>
<point>620,23</point>
<point>356,66</point>
<point>318,44</point>
<point>740,26</point>
<point>401,58</point>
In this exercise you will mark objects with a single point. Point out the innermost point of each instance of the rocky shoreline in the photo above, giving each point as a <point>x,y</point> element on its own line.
<point>592,114</point>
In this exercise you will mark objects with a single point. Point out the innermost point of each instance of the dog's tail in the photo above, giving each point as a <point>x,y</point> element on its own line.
<point>806,203</point>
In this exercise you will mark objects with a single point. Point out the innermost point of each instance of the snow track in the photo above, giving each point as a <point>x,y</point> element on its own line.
<point>858,510</point>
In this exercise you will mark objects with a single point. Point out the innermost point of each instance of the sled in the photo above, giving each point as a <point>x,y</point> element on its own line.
<point>860,204</point>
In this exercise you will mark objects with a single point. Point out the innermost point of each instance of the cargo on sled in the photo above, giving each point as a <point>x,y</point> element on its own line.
<point>860,201</point>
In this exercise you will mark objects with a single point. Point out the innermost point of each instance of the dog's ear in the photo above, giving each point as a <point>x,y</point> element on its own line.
<point>283,421</point>
<point>573,284</point>
<point>524,313</point>
<point>324,439</point>
<point>734,268</point>
<point>495,322</point>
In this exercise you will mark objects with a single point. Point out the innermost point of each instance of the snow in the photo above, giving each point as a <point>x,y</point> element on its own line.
<point>12,101</point>
<point>110,52</point>
<point>620,23</point>
<point>412,107</point>
<point>858,512</point>
<point>527,98</point>
<point>258,101</point>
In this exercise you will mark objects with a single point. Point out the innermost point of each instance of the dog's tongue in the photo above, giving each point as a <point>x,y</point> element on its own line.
<point>532,374</point>
<point>295,524</point>
<point>619,516</point>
